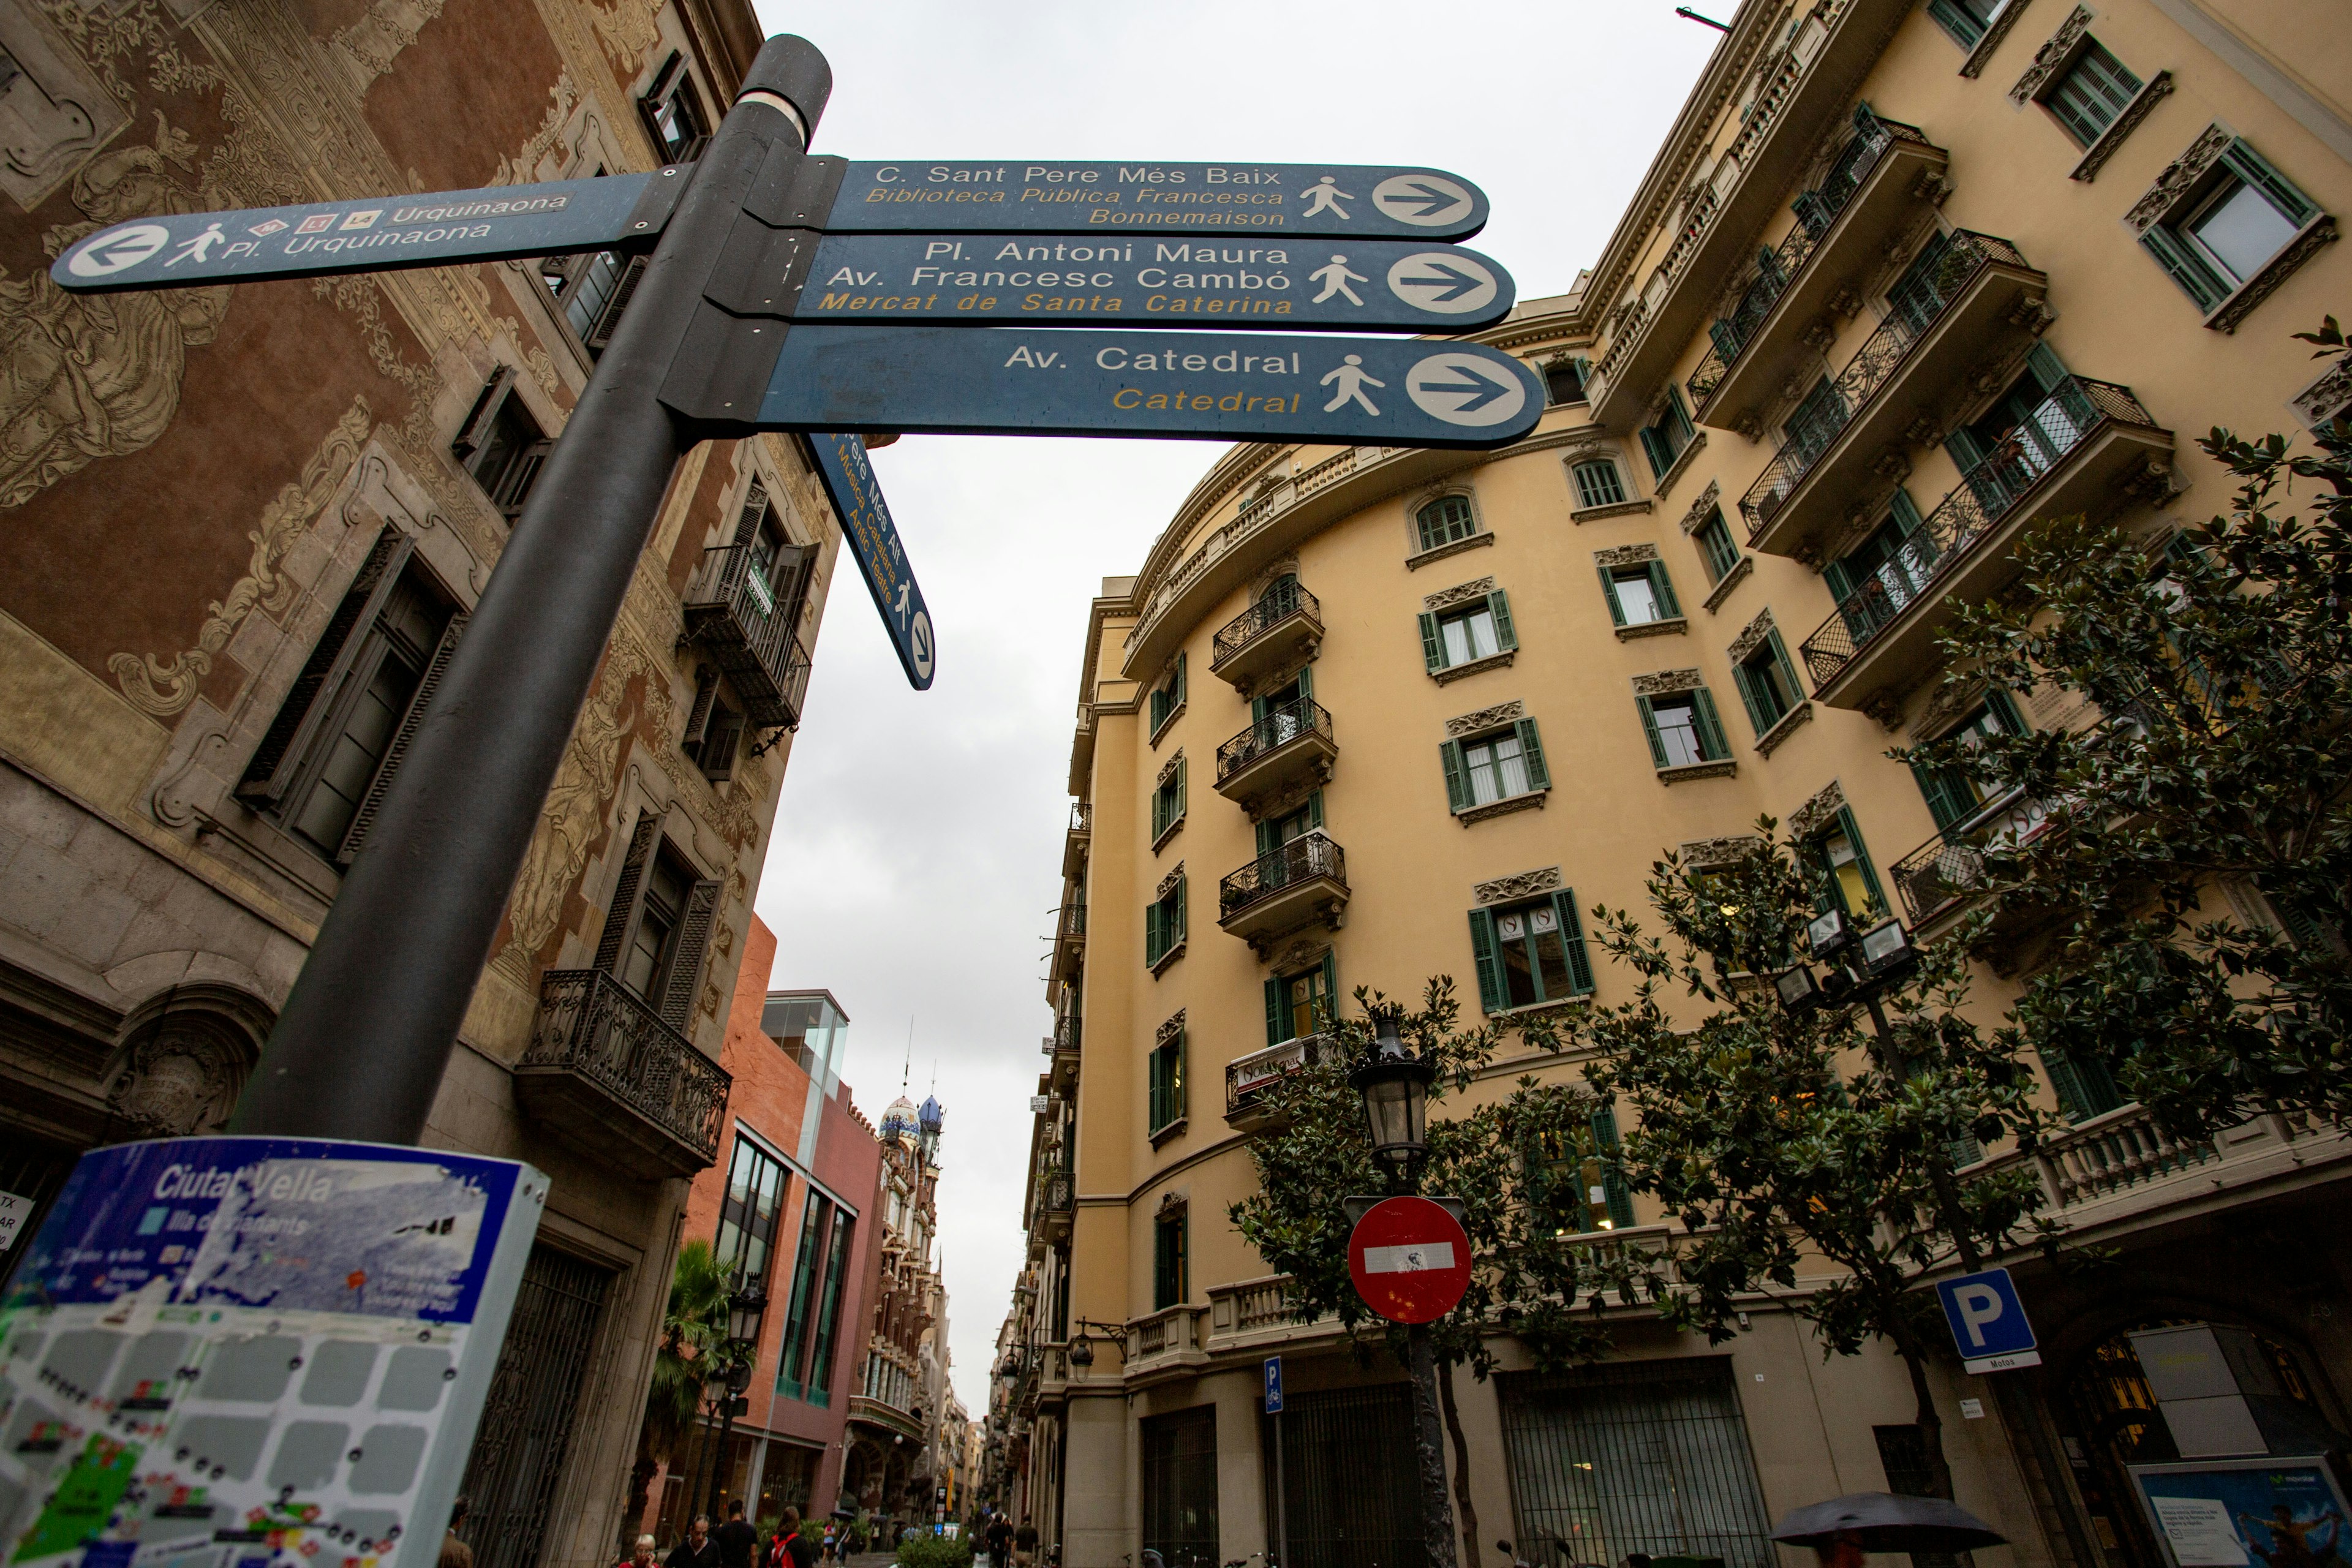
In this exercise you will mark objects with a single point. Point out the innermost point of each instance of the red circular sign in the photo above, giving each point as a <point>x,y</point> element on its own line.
<point>1410,1260</point>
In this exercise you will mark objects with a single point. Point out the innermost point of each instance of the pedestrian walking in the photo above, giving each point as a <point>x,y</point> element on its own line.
<point>803,1550</point>
<point>697,1550</point>
<point>736,1541</point>
<point>1025,1543</point>
<point>643,1555</point>
<point>454,1553</point>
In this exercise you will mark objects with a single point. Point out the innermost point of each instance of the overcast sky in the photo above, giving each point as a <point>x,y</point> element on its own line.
<point>917,850</point>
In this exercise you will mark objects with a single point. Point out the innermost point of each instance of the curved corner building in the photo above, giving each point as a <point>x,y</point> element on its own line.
<point>1903,278</point>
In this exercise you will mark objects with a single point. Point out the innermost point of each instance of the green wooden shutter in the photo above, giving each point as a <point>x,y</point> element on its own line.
<point>1905,515</point>
<point>1179,1099</point>
<point>1711,728</point>
<point>2255,170</point>
<point>363,819</point>
<point>1531,750</point>
<point>2048,370</point>
<point>1612,1180</point>
<point>1158,1092</point>
<point>1433,645</point>
<point>1498,605</point>
<point>1277,1020</point>
<point>1664,587</point>
<point>1862,857</point>
<point>1307,683</point>
<point>1662,456</point>
<point>1457,775</point>
<point>1840,578</point>
<point>1158,813</point>
<point>1179,676</point>
<point>1572,941</point>
<point>1182,767</point>
<point>1742,679</point>
<point>1609,590</point>
<point>1266,841</point>
<point>1153,946</point>
<point>1485,956</point>
<point>1183,898</point>
<point>1327,1010</point>
<point>1949,799</point>
<point>1315,811</point>
<point>1650,728</point>
<point>1966,450</point>
<point>1788,666</point>
<point>2203,286</point>
<point>2004,711</point>
<point>689,946</point>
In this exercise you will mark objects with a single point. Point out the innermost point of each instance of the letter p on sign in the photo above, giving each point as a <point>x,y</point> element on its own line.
<point>1988,1321</point>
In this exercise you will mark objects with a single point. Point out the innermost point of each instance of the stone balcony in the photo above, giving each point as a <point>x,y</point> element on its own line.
<point>1248,1078</point>
<point>606,1075</point>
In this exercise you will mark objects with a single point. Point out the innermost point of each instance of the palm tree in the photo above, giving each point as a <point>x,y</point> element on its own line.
<point>693,1327</point>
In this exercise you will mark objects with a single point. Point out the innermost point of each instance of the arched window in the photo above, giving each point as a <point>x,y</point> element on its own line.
<point>1281,597</point>
<point>1444,520</point>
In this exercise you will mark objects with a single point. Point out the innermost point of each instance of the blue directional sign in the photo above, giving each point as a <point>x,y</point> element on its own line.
<point>373,233</point>
<point>1274,1386</point>
<point>1009,195</point>
<point>1989,1322</point>
<point>989,281</point>
<point>874,543</point>
<point>1357,391</point>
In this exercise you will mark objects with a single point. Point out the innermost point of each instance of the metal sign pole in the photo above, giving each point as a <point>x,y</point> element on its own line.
<point>360,1048</point>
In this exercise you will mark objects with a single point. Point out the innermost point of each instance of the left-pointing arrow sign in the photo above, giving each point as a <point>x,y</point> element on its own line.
<point>373,233</point>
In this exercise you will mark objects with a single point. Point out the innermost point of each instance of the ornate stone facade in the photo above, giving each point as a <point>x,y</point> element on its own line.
<point>1524,885</point>
<point>1493,718</point>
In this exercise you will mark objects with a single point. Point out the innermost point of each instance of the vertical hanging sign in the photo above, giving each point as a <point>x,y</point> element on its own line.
<point>873,540</point>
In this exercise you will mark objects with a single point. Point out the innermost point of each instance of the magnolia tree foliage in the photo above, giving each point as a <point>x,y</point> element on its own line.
<point>2193,872</point>
<point>1800,1152</point>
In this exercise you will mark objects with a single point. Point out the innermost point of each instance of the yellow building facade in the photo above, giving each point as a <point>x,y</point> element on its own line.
<point>1903,278</point>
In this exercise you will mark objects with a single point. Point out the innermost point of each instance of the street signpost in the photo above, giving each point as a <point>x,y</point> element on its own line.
<point>1410,1260</point>
<point>1257,199</point>
<point>1988,1322</point>
<point>873,540</point>
<point>1281,1501</point>
<point>1274,1386</point>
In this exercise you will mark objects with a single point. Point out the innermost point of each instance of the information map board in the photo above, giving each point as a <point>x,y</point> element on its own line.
<point>255,1353</point>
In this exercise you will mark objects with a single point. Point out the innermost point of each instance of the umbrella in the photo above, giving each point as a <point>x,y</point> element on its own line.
<point>1882,1522</point>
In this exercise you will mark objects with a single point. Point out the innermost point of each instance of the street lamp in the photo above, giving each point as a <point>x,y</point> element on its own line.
<point>747,1304</point>
<point>1394,1084</point>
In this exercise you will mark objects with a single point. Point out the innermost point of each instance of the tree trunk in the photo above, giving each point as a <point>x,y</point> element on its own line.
<point>1429,1450</point>
<point>1931,1425</point>
<point>1469,1514</point>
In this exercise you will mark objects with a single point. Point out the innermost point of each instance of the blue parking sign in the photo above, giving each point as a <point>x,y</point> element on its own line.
<point>1274,1386</point>
<point>1989,1322</point>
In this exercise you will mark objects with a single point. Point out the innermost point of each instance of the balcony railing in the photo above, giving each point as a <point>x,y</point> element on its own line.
<point>1873,365</point>
<point>732,610</point>
<point>2106,1155</point>
<point>1951,866</point>
<point>1069,1033</point>
<point>1262,617</point>
<point>1082,817</point>
<point>1249,1077</point>
<point>1280,726</point>
<point>605,1072</point>
<point>1990,488</point>
<point>1055,1204</point>
<point>1303,859</point>
<point>1816,209</point>
<point>1074,924</point>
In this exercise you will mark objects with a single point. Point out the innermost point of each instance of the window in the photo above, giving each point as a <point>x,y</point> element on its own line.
<point>1497,765</point>
<point>1179,1473</point>
<point>672,112</point>
<point>1302,1004</point>
<point>1168,802</point>
<point>1954,795</point>
<point>1598,483</point>
<point>1683,729</point>
<point>1529,954</point>
<point>748,1214</point>
<point>1966,20</point>
<point>714,729</point>
<point>1477,629</point>
<point>1917,297</point>
<point>2089,93</point>
<point>592,290</point>
<point>1564,381</point>
<point>1814,422</point>
<point>2022,435</point>
<point>1168,697</point>
<point>1444,520</point>
<point>1767,684</point>
<point>1587,1158</point>
<point>658,927</point>
<point>501,445</point>
<point>1844,878</point>
<point>1168,1287</point>
<point>1639,594</point>
<point>1715,546</point>
<point>1666,439</point>
<point>1167,1080</point>
<point>327,757</point>
<point>1163,923</point>
<point>2237,218</point>
<point>811,1320</point>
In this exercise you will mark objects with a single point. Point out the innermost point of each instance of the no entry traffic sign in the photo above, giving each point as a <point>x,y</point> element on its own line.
<point>1410,1260</point>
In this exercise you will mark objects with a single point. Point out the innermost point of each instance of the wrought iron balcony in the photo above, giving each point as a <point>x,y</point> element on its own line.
<point>2086,442</point>
<point>1247,1078</point>
<point>1303,881</point>
<point>1943,872</point>
<point>1978,294</point>
<point>603,1072</point>
<point>1081,834</point>
<point>1280,630</point>
<point>1056,1205</point>
<point>1074,927</point>
<point>1886,171</point>
<point>1292,745</point>
<point>732,611</point>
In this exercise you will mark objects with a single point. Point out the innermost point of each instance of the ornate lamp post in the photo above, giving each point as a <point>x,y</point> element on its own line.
<point>1394,1084</point>
<point>747,1304</point>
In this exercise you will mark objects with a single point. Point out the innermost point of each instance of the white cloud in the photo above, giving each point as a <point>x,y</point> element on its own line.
<point>917,854</point>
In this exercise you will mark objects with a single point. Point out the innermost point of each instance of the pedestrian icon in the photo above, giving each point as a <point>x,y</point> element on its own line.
<point>1325,194</point>
<point>1424,201</point>
<point>121,250</point>
<point>1353,378</point>
<point>1335,279</point>
<point>1448,284</point>
<point>1464,389</point>
<point>198,250</point>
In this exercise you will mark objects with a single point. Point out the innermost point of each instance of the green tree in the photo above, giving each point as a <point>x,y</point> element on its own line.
<point>694,1325</point>
<point>1519,1163</point>
<point>1802,1142</point>
<point>2193,877</point>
